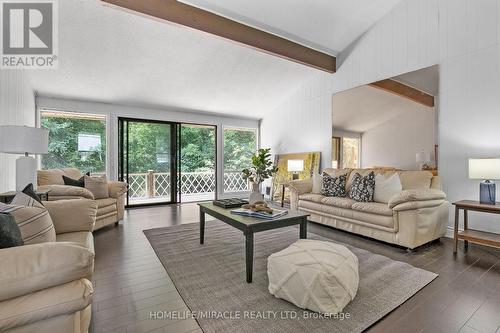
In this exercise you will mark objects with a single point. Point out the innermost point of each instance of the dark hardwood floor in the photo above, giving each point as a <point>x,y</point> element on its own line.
<point>130,281</point>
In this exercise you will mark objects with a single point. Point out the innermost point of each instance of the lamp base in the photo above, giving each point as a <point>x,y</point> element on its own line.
<point>25,172</point>
<point>487,192</point>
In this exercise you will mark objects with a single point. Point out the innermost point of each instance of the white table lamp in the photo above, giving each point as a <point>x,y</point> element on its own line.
<point>24,140</point>
<point>485,169</point>
<point>295,166</point>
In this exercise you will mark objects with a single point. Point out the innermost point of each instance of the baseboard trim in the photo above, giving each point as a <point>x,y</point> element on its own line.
<point>449,231</point>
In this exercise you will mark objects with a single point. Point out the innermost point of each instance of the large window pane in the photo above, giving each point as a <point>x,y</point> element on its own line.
<point>75,140</point>
<point>239,146</point>
<point>350,153</point>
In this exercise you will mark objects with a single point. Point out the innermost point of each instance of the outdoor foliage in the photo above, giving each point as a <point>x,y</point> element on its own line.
<point>63,144</point>
<point>239,146</point>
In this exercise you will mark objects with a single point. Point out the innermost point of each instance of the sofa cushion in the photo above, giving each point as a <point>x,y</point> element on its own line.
<point>386,187</point>
<point>362,187</point>
<point>334,186</point>
<point>97,185</point>
<point>54,176</point>
<point>311,197</point>
<point>336,211</point>
<point>373,208</point>
<point>44,305</point>
<point>34,222</point>
<point>338,202</point>
<point>310,205</point>
<point>84,238</point>
<point>39,266</point>
<point>105,202</point>
<point>375,219</point>
<point>415,180</point>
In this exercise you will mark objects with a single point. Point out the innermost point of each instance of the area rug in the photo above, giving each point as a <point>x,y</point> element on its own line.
<point>211,280</point>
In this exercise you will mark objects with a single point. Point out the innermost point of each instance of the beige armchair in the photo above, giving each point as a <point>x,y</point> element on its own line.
<point>46,287</point>
<point>110,210</point>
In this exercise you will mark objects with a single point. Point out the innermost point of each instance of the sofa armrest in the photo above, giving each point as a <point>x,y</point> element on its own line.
<point>416,195</point>
<point>62,192</point>
<point>29,268</point>
<point>412,205</point>
<point>72,215</point>
<point>300,186</point>
<point>116,188</point>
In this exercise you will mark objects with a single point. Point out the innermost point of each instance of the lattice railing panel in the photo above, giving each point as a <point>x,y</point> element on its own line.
<point>234,182</point>
<point>137,187</point>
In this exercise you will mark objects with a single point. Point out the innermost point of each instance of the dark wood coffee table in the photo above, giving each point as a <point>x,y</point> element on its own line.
<point>249,226</point>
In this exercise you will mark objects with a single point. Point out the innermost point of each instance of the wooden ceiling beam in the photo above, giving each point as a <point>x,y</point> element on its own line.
<point>196,18</point>
<point>405,91</point>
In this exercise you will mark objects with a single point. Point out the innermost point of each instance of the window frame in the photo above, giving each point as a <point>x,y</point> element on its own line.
<point>223,192</point>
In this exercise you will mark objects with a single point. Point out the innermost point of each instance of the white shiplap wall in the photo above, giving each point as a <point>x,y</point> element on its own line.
<point>17,107</point>
<point>463,37</point>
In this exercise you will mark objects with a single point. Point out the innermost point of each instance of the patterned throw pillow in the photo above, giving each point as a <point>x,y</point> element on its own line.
<point>362,188</point>
<point>32,218</point>
<point>334,186</point>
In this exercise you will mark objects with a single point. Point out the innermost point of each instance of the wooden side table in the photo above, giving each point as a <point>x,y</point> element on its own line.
<point>8,196</point>
<point>471,235</point>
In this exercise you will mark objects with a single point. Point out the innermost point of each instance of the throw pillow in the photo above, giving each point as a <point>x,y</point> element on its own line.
<point>75,182</point>
<point>34,221</point>
<point>386,188</point>
<point>97,185</point>
<point>362,188</point>
<point>317,182</point>
<point>30,191</point>
<point>334,186</point>
<point>10,235</point>
<point>23,199</point>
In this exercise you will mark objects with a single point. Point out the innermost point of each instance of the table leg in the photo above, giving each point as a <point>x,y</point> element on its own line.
<point>303,228</point>
<point>249,255</point>
<point>202,226</point>
<point>282,195</point>
<point>466,226</point>
<point>455,230</point>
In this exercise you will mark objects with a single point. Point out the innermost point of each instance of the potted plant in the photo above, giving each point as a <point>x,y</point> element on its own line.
<point>262,169</point>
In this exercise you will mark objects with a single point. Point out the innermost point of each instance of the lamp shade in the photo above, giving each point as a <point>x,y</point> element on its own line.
<point>484,168</point>
<point>295,165</point>
<point>23,139</point>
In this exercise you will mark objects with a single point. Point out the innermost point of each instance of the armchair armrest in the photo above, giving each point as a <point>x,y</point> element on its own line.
<point>29,268</point>
<point>116,188</point>
<point>416,195</point>
<point>300,186</point>
<point>60,192</point>
<point>72,215</point>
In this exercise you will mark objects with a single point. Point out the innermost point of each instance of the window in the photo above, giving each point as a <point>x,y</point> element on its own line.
<point>350,153</point>
<point>239,146</point>
<point>76,140</point>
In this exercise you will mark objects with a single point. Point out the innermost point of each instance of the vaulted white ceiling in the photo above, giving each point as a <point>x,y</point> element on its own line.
<point>112,56</point>
<point>327,25</point>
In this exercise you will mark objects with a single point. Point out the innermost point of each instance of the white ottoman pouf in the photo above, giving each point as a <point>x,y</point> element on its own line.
<point>314,275</point>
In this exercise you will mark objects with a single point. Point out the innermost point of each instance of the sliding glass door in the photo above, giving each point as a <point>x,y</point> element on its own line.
<point>166,162</point>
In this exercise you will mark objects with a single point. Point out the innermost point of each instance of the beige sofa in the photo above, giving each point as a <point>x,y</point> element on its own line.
<point>110,210</point>
<point>415,216</point>
<point>45,287</point>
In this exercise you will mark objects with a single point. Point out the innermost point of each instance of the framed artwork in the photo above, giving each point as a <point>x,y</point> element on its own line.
<point>293,166</point>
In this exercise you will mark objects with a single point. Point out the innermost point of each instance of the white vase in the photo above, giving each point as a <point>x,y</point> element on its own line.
<point>255,195</point>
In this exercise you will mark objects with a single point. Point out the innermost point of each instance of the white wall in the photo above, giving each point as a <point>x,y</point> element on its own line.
<point>17,107</point>
<point>113,112</point>
<point>395,142</point>
<point>463,37</point>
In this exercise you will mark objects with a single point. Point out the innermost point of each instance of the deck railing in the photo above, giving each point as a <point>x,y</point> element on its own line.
<point>154,185</point>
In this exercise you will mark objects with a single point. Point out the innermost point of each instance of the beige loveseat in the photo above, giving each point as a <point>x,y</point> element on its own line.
<point>45,287</point>
<point>110,210</point>
<point>415,216</point>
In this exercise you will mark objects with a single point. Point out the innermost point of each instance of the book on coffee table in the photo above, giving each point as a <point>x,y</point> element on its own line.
<point>260,215</point>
